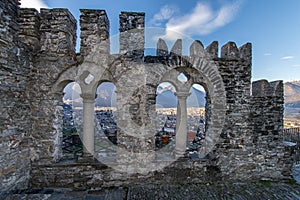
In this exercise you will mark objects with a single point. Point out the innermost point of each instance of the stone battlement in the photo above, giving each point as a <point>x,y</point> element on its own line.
<point>96,22</point>
<point>38,59</point>
<point>263,88</point>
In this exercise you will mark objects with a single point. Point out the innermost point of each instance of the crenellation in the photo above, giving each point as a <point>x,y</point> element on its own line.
<point>230,51</point>
<point>37,58</point>
<point>58,32</point>
<point>213,49</point>
<point>131,20</point>
<point>57,20</point>
<point>176,50</point>
<point>277,88</point>
<point>175,55</point>
<point>261,88</point>
<point>246,52</point>
<point>94,26</point>
<point>162,48</point>
<point>29,21</point>
<point>197,49</point>
<point>132,39</point>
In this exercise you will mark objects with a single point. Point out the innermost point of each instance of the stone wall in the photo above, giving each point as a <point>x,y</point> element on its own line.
<point>38,59</point>
<point>132,38</point>
<point>57,36</point>
<point>267,107</point>
<point>15,70</point>
<point>35,48</point>
<point>235,67</point>
<point>94,27</point>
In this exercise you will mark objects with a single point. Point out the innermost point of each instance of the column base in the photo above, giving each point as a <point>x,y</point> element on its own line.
<point>86,158</point>
<point>179,154</point>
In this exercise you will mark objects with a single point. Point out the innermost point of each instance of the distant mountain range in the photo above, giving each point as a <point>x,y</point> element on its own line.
<point>106,96</point>
<point>167,99</point>
<point>292,99</point>
<point>292,94</point>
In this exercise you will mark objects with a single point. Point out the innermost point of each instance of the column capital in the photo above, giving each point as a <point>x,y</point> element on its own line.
<point>182,94</point>
<point>88,97</point>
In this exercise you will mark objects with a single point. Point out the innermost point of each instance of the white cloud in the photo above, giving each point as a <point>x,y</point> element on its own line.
<point>296,65</point>
<point>287,58</point>
<point>202,20</point>
<point>165,13</point>
<point>37,4</point>
<point>267,54</point>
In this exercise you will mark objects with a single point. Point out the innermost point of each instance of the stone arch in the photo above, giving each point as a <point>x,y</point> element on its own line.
<point>79,74</point>
<point>171,77</point>
<point>99,74</point>
<point>157,92</point>
<point>56,92</point>
<point>65,78</point>
<point>216,98</point>
<point>203,72</point>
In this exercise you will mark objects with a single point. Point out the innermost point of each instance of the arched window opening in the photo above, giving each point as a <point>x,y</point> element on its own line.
<point>106,131</point>
<point>71,144</point>
<point>196,121</point>
<point>166,109</point>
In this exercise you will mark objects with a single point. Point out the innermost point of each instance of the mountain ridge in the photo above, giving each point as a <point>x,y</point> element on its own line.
<point>292,92</point>
<point>106,97</point>
<point>292,99</point>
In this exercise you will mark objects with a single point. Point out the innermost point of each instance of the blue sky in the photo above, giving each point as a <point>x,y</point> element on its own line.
<point>272,26</point>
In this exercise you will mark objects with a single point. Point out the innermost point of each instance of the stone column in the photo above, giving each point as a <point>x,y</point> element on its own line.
<point>181,125</point>
<point>88,125</point>
<point>177,116</point>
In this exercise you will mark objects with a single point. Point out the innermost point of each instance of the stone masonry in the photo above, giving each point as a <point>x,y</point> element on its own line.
<point>16,68</point>
<point>38,59</point>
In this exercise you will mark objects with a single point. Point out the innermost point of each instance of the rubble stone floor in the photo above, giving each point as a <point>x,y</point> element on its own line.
<point>234,191</point>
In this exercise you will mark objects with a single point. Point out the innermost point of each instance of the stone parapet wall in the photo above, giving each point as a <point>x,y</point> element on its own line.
<point>58,32</point>
<point>97,175</point>
<point>29,33</point>
<point>267,107</point>
<point>38,59</point>
<point>57,38</point>
<point>15,108</point>
<point>235,68</point>
<point>132,40</point>
<point>94,27</point>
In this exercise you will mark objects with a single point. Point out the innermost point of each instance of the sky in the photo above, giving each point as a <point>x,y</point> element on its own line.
<point>272,26</point>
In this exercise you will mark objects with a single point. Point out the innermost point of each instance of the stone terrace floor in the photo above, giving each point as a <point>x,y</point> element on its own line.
<point>234,191</point>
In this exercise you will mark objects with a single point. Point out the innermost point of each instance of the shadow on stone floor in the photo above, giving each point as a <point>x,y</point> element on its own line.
<point>240,190</point>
